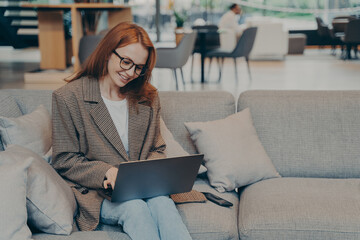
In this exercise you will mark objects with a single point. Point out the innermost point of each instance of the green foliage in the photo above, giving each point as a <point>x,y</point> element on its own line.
<point>180,18</point>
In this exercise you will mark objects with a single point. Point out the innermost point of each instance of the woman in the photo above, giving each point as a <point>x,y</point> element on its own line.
<point>109,113</point>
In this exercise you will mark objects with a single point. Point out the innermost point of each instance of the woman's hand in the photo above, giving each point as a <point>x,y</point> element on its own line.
<point>110,177</point>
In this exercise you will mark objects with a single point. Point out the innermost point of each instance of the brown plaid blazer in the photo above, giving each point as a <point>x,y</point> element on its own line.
<point>86,143</point>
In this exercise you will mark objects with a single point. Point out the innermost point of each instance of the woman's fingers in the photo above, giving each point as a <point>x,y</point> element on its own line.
<point>112,184</point>
<point>106,184</point>
<point>110,177</point>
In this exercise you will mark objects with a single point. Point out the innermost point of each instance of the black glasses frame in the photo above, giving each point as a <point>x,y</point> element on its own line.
<point>142,73</point>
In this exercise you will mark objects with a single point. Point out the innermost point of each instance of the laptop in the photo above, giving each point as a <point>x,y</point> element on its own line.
<point>158,177</point>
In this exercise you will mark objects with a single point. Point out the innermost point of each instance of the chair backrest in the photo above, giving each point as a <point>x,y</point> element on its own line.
<point>345,17</point>
<point>339,23</point>
<point>178,56</point>
<point>186,47</point>
<point>322,28</point>
<point>352,32</point>
<point>212,37</point>
<point>87,45</point>
<point>245,43</point>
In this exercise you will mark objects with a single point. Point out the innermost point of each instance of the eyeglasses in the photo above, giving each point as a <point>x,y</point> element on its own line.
<point>127,64</point>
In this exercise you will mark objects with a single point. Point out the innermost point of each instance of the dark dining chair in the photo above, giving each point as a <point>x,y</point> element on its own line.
<point>339,24</point>
<point>352,37</point>
<point>322,29</point>
<point>175,58</point>
<point>242,49</point>
<point>327,35</point>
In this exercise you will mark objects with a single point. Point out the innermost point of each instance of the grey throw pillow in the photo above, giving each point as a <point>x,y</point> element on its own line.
<point>13,178</point>
<point>8,108</point>
<point>50,202</point>
<point>32,131</point>
<point>233,153</point>
<point>173,148</point>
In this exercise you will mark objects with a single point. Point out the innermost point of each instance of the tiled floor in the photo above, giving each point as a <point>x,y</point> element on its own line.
<point>315,70</point>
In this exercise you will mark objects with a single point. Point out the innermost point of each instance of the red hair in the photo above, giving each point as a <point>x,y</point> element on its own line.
<point>119,36</point>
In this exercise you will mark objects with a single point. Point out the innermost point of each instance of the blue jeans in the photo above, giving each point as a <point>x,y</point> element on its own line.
<point>154,218</point>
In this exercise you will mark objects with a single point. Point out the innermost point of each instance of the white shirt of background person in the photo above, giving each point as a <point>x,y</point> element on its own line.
<point>230,20</point>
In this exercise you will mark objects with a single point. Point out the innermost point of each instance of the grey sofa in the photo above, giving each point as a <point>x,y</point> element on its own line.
<point>313,139</point>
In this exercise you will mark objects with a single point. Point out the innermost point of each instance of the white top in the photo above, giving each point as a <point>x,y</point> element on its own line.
<point>119,113</point>
<point>230,21</point>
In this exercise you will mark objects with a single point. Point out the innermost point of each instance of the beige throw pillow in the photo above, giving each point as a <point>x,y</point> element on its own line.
<point>50,202</point>
<point>13,215</point>
<point>234,155</point>
<point>173,148</point>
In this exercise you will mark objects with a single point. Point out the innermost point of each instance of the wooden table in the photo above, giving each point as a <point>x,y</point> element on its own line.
<point>55,51</point>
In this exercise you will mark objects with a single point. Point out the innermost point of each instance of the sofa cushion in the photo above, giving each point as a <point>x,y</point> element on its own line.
<point>300,208</point>
<point>308,133</point>
<point>13,179</point>
<point>50,201</point>
<point>103,235</point>
<point>8,108</point>
<point>28,100</point>
<point>205,220</point>
<point>232,151</point>
<point>32,131</point>
<point>173,148</point>
<point>208,220</point>
<point>180,107</point>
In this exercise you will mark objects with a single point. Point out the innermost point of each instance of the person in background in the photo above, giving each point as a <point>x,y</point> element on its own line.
<point>230,20</point>
<point>109,113</point>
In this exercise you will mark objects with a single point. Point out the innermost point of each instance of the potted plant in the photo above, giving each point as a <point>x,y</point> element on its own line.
<point>180,20</point>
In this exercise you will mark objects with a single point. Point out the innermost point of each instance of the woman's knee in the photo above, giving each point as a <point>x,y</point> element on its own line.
<point>135,208</point>
<point>161,202</point>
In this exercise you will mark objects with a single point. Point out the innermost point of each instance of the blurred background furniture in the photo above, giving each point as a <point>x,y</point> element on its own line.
<point>175,58</point>
<point>55,52</point>
<point>338,30</point>
<point>87,45</point>
<point>297,43</point>
<point>323,30</point>
<point>207,39</point>
<point>339,24</point>
<point>271,41</point>
<point>326,35</point>
<point>352,38</point>
<point>243,48</point>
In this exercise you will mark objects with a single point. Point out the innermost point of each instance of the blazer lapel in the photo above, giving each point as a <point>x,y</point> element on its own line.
<point>139,121</point>
<point>101,115</point>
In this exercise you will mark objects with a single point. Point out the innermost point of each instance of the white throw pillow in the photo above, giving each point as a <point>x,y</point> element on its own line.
<point>13,216</point>
<point>233,153</point>
<point>50,202</point>
<point>32,131</point>
<point>173,148</point>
